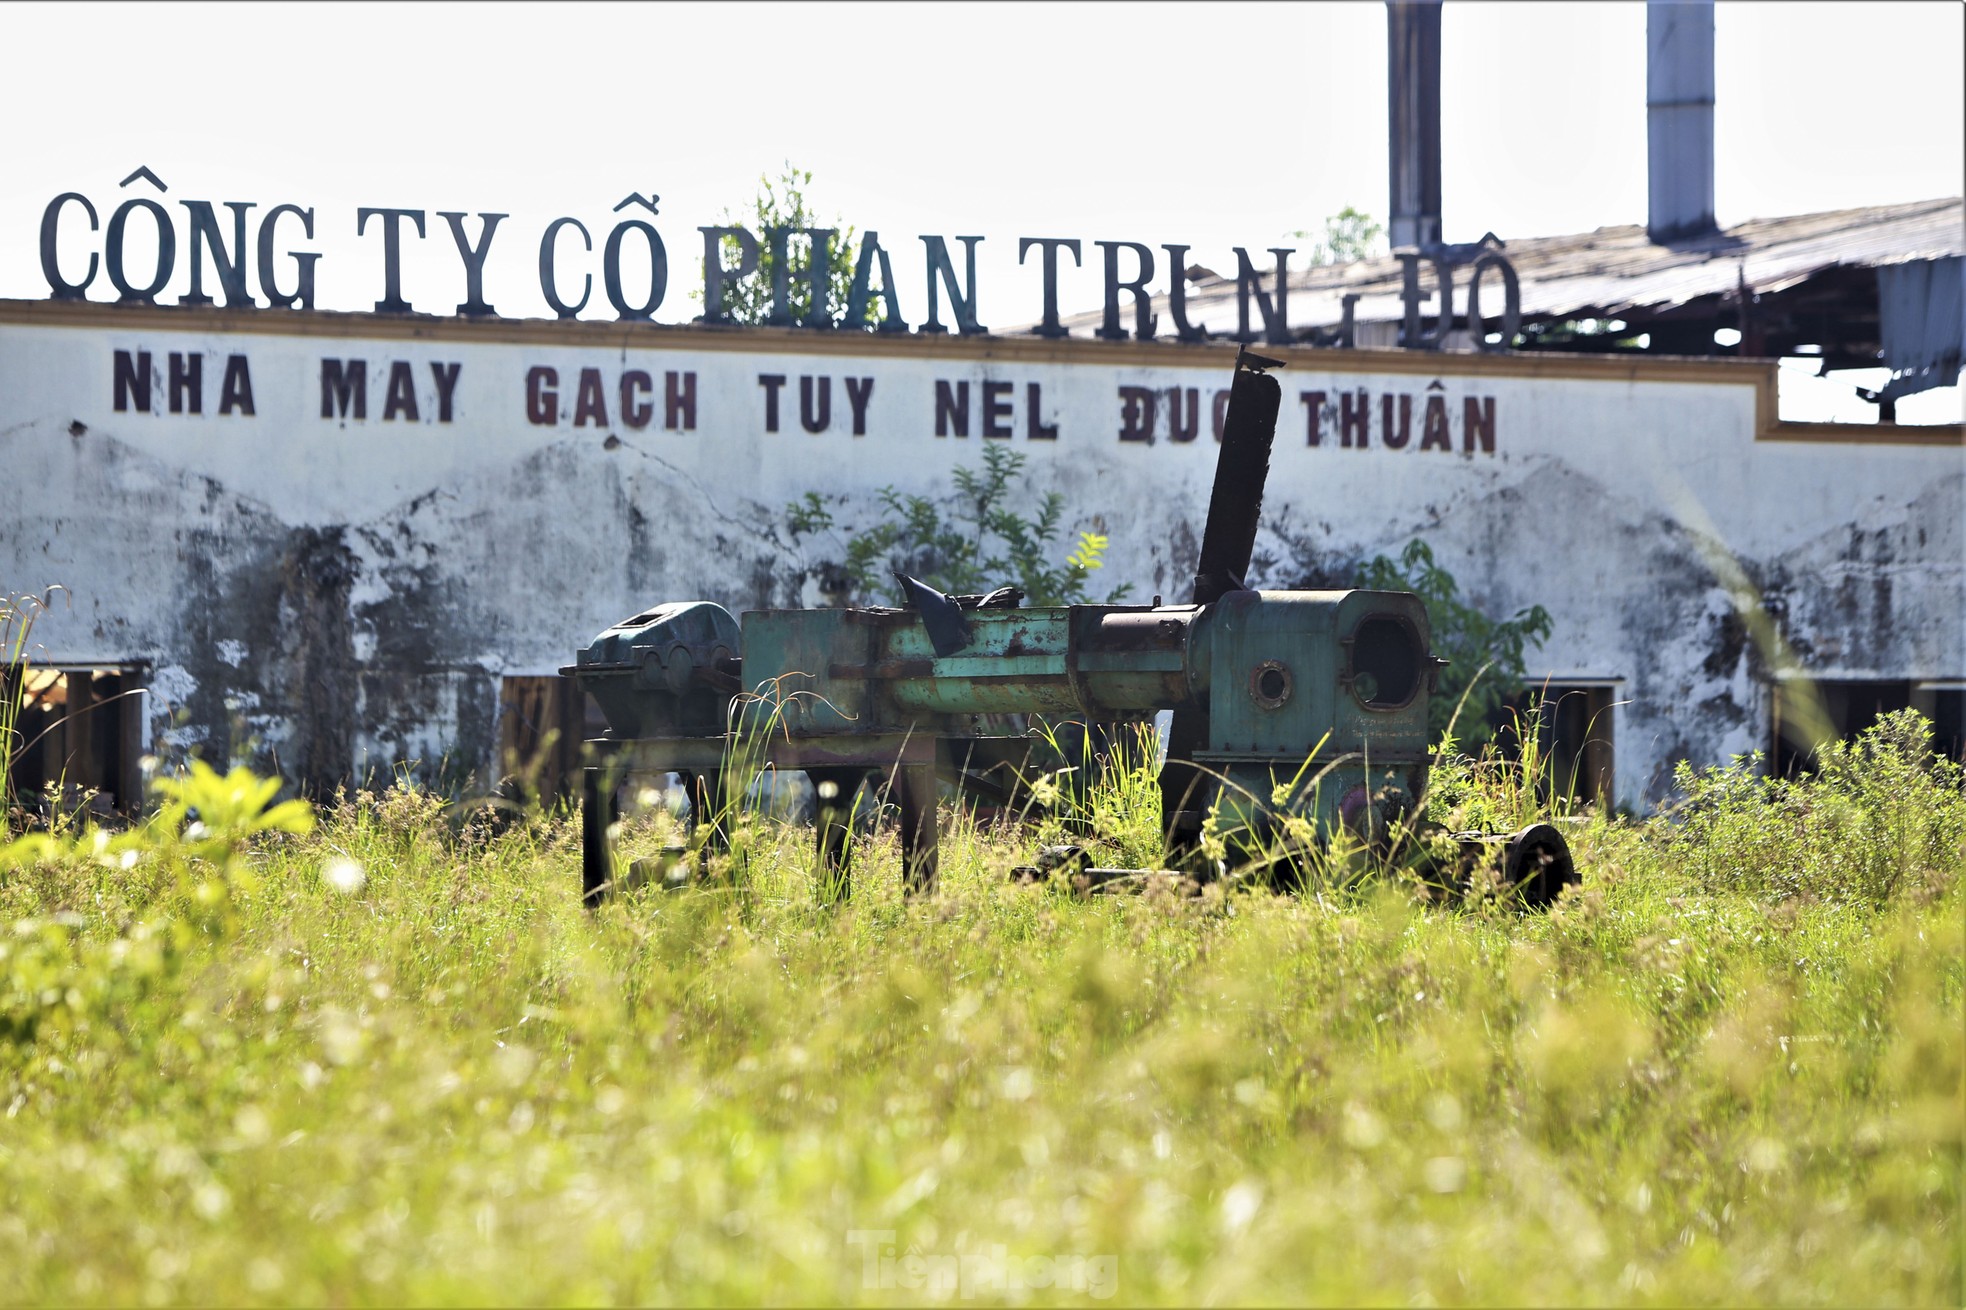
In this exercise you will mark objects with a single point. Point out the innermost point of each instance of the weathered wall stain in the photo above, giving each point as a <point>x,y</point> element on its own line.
<point>336,634</point>
<point>316,576</point>
<point>369,645</point>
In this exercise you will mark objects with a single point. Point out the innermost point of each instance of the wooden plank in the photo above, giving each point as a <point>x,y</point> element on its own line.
<point>1869,434</point>
<point>78,744</point>
<point>129,742</point>
<point>575,334</point>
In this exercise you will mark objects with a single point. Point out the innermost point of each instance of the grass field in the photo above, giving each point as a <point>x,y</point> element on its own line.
<point>390,1059</point>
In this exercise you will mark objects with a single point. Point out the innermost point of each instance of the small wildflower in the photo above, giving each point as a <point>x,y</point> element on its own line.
<point>345,875</point>
<point>1239,1205</point>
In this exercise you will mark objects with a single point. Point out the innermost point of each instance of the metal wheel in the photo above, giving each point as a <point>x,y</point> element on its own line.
<point>1537,865</point>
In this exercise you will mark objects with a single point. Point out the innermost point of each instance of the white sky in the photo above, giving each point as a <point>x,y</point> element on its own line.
<point>1210,125</point>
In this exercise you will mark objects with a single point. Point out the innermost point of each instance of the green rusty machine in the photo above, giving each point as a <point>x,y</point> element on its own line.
<point>1258,683</point>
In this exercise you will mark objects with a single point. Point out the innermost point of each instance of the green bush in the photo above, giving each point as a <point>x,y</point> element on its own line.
<point>983,544</point>
<point>1880,813</point>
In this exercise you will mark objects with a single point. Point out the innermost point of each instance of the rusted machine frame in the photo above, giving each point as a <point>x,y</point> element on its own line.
<point>907,760</point>
<point>910,762</point>
<point>890,693</point>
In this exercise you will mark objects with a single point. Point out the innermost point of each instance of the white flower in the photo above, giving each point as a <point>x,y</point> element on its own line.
<point>210,1200</point>
<point>1239,1205</point>
<point>1445,1173</point>
<point>1363,1129</point>
<point>345,875</point>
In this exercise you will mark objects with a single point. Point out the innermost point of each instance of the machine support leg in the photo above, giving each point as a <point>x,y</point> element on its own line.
<point>914,787</point>
<point>1184,789</point>
<point>596,852</point>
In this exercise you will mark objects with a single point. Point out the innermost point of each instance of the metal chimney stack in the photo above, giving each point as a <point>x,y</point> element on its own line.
<point>1413,120</point>
<point>1679,118</point>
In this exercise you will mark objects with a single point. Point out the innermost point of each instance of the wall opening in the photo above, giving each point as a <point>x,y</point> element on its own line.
<point>1574,726</point>
<point>1805,714</point>
<point>78,737</point>
<point>541,724</point>
<point>1944,703</point>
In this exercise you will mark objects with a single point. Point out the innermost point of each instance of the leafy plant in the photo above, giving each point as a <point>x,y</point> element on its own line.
<point>1484,655</point>
<point>1488,790</point>
<point>982,542</point>
<point>1350,234</point>
<point>191,852</point>
<point>783,203</point>
<point>201,825</point>
<point>1107,790</point>
<point>1880,810</point>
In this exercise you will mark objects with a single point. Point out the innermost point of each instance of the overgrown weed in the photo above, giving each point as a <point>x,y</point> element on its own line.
<point>382,1062</point>
<point>1881,813</point>
<point>17,616</point>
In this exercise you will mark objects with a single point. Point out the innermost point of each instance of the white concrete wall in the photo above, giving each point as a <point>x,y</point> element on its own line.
<point>350,591</point>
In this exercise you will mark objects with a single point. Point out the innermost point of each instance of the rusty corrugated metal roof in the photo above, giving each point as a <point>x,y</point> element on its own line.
<point>1614,269</point>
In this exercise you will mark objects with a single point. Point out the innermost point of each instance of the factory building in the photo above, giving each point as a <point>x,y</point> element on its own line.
<point>338,543</point>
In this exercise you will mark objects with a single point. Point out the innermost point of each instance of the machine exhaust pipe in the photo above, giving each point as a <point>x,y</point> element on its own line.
<point>1228,541</point>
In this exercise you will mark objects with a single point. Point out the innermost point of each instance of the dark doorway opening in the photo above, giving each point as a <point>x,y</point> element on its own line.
<point>77,739</point>
<point>542,721</point>
<point>1944,703</point>
<point>1805,714</point>
<point>1808,713</point>
<point>1573,726</point>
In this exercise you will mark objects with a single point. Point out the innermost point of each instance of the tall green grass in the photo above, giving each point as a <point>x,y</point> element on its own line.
<point>387,1058</point>
<point>17,616</point>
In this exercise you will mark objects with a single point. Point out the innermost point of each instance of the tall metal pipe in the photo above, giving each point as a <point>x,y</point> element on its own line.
<point>1413,120</point>
<point>1679,118</point>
